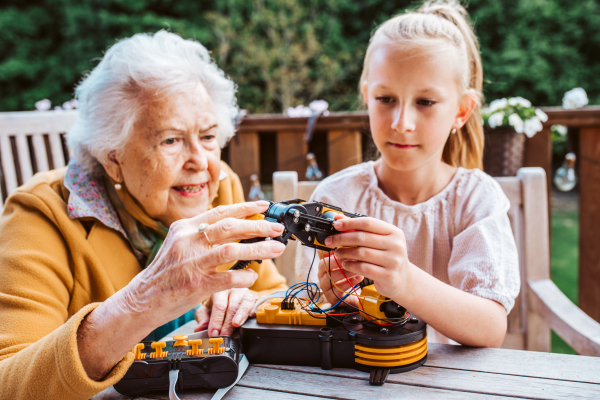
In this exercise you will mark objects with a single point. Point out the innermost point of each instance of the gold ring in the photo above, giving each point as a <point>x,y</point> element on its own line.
<point>202,229</point>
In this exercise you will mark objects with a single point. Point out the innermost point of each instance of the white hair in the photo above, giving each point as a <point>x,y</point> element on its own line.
<point>160,64</point>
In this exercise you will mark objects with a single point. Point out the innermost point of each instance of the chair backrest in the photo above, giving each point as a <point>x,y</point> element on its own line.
<point>31,142</point>
<point>528,215</point>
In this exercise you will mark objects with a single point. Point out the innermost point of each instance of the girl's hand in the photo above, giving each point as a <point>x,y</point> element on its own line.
<point>225,311</point>
<point>374,249</point>
<point>340,282</point>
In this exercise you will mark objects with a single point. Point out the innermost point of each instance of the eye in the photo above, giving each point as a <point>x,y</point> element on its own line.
<point>208,138</point>
<point>170,141</point>
<point>426,103</point>
<point>384,99</point>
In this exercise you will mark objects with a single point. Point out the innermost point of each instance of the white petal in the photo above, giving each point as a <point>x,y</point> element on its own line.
<point>541,115</point>
<point>43,105</point>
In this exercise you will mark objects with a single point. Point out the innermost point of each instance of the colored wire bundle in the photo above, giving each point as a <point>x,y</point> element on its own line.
<point>313,294</point>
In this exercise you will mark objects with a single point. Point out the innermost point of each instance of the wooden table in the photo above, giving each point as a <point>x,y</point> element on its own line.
<point>451,372</point>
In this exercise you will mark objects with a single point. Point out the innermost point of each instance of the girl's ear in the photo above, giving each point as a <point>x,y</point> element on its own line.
<point>113,167</point>
<point>466,107</point>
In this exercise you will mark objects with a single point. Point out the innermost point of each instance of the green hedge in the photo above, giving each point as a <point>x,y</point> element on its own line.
<point>289,52</point>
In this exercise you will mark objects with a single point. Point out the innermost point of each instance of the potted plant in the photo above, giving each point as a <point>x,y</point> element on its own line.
<point>506,122</point>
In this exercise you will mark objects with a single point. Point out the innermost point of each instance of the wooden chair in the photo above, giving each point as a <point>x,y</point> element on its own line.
<point>31,142</point>
<point>540,306</point>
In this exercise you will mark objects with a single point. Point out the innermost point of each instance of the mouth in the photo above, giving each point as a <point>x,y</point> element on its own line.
<point>403,146</point>
<point>190,190</point>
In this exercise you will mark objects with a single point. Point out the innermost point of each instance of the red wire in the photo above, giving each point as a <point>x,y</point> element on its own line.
<point>352,286</point>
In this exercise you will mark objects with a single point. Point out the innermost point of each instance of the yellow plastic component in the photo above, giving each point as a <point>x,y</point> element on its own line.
<point>195,351</point>
<point>158,347</point>
<point>255,217</point>
<point>216,342</point>
<point>371,300</point>
<point>270,312</point>
<point>180,340</point>
<point>390,356</point>
<point>138,351</point>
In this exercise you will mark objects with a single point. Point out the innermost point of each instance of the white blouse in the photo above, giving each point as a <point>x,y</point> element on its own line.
<point>461,236</point>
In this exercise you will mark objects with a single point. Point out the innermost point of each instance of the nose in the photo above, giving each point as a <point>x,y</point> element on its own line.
<point>404,119</point>
<point>197,158</point>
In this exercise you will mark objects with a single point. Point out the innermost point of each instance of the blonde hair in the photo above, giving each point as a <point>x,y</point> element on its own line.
<point>442,20</point>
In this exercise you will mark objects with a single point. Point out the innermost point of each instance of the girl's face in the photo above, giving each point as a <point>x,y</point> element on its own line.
<point>414,103</point>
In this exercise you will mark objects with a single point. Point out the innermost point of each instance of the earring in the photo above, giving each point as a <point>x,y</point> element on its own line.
<point>118,186</point>
<point>453,131</point>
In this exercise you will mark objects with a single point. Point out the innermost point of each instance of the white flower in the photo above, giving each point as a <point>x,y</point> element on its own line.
<point>67,105</point>
<point>319,106</point>
<point>58,108</point>
<point>513,101</point>
<point>43,105</point>
<point>574,99</point>
<point>516,122</point>
<point>497,105</point>
<point>496,119</point>
<point>299,111</point>
<point>560,129</point>
<point>532,126</point>
<point>541,115</point>
<point>74,103</point>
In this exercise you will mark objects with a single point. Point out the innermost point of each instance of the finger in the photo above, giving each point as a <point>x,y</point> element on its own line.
<point>237,279</point>
<point>242,251</point>
<point>360,238</point>
<point>219,308</point>
<point>239,210</point>
<point>235,298</point>
<point>244,310</point>
<point>230,229</point>
<point>337,274</point>
<point>373,256</point>
<point>367,224</point>
<point>371,271</point>
<point>203,316</point>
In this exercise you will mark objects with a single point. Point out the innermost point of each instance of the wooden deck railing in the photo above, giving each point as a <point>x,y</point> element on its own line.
<point>268,143</point>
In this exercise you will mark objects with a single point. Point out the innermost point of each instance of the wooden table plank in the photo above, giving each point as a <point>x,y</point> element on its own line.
<point>338,387</point>
<point>516,362</point>
<point>237,392</point>
<point>470,381</point>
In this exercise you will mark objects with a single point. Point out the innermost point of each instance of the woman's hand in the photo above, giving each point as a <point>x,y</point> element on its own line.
<point>225,311</point>
<point>183,274</point>
<point>371,248</point>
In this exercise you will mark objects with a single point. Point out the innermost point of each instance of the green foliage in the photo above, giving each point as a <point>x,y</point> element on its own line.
<point>288,52</point>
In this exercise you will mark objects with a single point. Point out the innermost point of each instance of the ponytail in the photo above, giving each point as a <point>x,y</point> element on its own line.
<point>444,19</point>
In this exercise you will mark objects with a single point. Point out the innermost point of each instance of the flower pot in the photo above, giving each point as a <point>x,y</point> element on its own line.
<point>503,151</point>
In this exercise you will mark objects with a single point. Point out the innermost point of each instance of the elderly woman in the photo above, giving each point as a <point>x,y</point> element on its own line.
<point>114,249</point>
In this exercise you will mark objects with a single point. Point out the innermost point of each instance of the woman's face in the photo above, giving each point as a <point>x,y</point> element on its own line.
<point>413,102</point>
<point>171,162</point>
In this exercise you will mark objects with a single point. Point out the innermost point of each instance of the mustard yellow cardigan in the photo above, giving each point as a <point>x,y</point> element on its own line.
<point>53,272</point>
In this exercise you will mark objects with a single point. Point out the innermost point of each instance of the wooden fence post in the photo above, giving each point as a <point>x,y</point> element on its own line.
<point>244,157</point>
<point>344,150</point>
<point>589,221</point>
<point>291,152</point>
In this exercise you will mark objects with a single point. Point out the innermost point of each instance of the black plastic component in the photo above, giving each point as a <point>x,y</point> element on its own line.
<point>391,309</point>
<point>303,221</point>
<point>326,347</point>
<point>378,376</point>
<point>208,371</point>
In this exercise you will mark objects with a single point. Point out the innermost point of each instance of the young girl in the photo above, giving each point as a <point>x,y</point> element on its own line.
<point>438,240</point>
